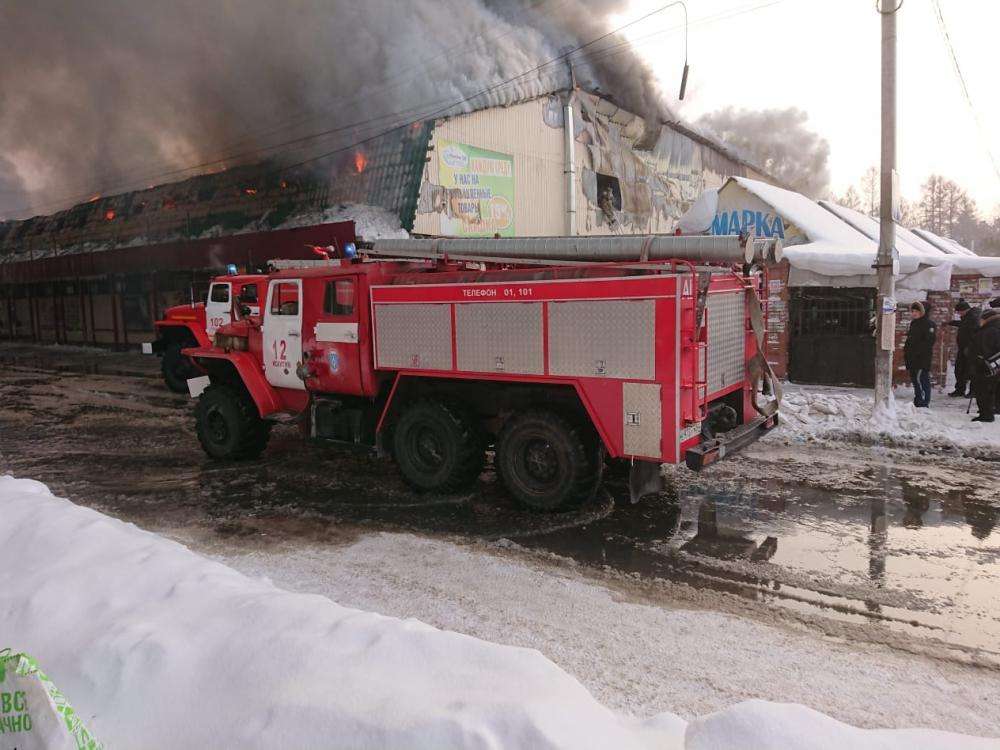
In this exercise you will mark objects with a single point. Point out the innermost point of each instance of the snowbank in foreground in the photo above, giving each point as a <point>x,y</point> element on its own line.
<point>159,647</point>
<point>816,412</point>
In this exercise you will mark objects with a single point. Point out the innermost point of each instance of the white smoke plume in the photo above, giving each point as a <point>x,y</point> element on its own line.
<point>777,140</point>
<point>103,97</point>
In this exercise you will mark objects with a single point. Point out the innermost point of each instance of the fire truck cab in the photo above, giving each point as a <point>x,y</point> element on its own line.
<point>195,324</point>
<point>557,369</point>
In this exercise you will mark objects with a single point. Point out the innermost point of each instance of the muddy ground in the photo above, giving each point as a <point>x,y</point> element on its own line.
<point>891,546</point>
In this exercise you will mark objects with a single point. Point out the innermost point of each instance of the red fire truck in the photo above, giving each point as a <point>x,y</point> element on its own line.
<point>559,354</point>
<point>195,324</point>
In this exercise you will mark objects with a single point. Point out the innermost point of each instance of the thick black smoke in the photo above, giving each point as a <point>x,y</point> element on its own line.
<point>12,189</point>
<point>777,140</point>
<point>101,97</point>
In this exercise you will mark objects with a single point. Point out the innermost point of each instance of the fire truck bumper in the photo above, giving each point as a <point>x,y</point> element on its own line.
<point>718,448</point>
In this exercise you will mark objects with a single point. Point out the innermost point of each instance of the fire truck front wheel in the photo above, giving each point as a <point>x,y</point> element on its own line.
<point>438,447</point>
<point>228,424</point>
<point>547,461</point>
<point>177,368</point>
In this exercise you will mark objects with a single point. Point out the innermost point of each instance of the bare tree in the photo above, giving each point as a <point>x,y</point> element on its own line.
<point>944,207</point>
<point>909,213</point>
<point>850,199</point>
<point>870,190</point>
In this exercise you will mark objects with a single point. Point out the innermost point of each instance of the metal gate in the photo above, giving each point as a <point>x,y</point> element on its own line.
<point>832,336</point>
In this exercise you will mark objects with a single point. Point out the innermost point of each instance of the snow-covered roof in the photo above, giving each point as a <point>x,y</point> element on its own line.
<point>918,244</point>
<point>843,242</point>
<point>912,248</point>
<point>834,247</point>
<point>946,244</point>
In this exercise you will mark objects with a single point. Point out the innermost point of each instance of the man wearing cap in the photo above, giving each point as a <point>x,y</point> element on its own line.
<point>918,352</point>
<point>968,327</point>
<point>986,344</point>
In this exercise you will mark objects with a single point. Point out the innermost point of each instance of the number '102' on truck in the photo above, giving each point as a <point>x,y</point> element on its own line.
<point>560,367</point>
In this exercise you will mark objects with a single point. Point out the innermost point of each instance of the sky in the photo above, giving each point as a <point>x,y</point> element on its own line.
<point>823,56</point>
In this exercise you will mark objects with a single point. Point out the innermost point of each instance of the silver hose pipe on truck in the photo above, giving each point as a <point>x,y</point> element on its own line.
<point>618,248</point>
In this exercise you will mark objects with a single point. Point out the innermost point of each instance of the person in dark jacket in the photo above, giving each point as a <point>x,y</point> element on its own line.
<point>986,344</point>
<point>968,327</point>
<point>918,351</point>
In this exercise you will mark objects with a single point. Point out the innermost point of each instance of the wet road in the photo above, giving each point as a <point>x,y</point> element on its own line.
<point>882,545</point>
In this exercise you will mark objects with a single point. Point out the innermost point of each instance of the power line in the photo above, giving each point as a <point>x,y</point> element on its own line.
<point>965,87</point>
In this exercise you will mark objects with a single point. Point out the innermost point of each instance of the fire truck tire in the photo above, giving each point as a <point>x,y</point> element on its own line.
<point>228,424</point>
<point>547,461</point>
<point>176,368</point>
<point>438,447</point>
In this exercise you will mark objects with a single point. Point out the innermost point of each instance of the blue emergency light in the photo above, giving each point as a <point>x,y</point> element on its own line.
<point>350,250</point>
<point>231,269</point>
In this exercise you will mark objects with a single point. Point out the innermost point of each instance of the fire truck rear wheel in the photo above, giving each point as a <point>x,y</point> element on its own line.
<point>547,461</point>
<point>177,368</point>
<point>228,424</point>
<point>438,447</point>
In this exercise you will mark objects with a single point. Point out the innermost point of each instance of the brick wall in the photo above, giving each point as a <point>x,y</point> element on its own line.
<point>974,289</point>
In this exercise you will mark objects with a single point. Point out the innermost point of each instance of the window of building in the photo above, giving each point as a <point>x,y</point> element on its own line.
<point>339,299</point>
<point>608,187</point>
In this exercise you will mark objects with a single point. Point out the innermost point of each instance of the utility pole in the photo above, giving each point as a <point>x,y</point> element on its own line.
<point>885,344</point>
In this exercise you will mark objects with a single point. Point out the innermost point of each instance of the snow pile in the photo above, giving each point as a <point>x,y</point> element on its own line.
<point>159,647</point>
<point>370,222</point>
<point>816,412</point>
<point>782,726</point>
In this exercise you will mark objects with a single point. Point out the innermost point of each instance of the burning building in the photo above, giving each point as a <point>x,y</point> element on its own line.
<point>565,162</point>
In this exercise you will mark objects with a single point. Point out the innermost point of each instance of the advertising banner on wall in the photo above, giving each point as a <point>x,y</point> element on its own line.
<point>479,185</point>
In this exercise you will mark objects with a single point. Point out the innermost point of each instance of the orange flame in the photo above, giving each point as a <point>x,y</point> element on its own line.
<point>94,198</point>
<point>360,161</point>
<point>109,214</point>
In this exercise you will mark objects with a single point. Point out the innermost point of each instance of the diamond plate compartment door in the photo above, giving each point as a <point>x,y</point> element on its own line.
<point>642,428</point>
<point>413,337</point>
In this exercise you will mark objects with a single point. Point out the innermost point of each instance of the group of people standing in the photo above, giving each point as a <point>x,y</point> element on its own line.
<point>978,341</point>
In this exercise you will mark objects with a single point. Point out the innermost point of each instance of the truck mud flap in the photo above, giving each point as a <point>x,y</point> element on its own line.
<point>710,451</point>
<point>644,478</point>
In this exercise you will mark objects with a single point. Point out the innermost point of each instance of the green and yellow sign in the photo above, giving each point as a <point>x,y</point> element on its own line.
<point>479,186</point>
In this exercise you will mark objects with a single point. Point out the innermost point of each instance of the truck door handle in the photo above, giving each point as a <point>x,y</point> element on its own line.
<point>293,334</point>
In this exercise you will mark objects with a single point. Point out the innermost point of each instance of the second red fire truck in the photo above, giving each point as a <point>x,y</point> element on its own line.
<point>184,326</point>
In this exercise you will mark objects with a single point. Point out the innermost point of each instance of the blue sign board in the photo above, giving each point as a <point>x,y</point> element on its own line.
<point>754,223</point>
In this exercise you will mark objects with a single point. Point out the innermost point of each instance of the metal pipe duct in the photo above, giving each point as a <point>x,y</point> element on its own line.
<point>619,248</point>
